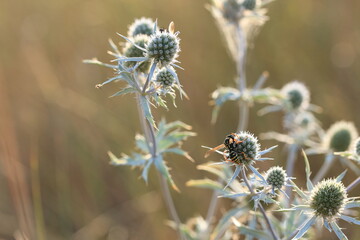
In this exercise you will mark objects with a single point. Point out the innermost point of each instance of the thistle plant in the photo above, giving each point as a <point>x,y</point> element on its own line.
<point>148,47</point>
<point>326,201</point>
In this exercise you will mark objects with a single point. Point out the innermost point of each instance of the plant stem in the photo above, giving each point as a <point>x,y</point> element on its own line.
<point>149,133</point>
<point>243,107</point>
<point>329,160</point>
<point>290,164</point>
<point>149,76</point>
<point>268,223</point>
<point>353,184</point>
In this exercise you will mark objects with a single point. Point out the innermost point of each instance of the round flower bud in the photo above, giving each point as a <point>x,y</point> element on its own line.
<point>163,47</point>
<point>231,9</point>
<point>296,95</point>
<point>328,198</point>
<point>249,4</point>
<point>141,26</point>
<point>131,50</point>
<point>340,136</point>
<point>357,147</point>
<point>243,148</point>
<point>276,177</point>
<point>164,78</point>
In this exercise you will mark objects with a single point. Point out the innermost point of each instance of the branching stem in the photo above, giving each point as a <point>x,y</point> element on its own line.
<point>268,223</point>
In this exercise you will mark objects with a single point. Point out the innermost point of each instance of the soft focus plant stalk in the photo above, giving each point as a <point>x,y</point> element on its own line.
<point>149,133</point>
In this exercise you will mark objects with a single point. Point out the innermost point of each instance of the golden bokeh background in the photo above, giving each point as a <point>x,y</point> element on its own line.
<point>56,128</point>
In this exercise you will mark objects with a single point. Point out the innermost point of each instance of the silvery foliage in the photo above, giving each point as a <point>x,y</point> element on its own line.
<point>149,93</point>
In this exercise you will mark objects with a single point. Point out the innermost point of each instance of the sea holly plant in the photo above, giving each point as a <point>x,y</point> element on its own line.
<point>146,64</point>
<point>327,202</point>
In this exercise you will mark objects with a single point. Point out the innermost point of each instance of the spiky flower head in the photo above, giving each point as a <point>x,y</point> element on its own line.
<point>357,147</point>
<point>141,26</point>
<point>163,47</point>
<point>131,50</point>
<point>245,148</point>
<point>249,4</point>
<point>276,177</point>
<point>328,198</point>
<point>165,78</point>
<point>340,136</point>
<point>296,95</point>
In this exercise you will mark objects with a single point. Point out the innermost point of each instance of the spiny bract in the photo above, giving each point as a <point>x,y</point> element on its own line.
<point>131,50</point>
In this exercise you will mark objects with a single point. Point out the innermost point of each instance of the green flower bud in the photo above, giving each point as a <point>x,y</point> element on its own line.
<point>141,26</point>
<point>131,50</point>
<point>296,95</point>
<point>164,78</point>
<point>340,136</point>
<point>328,198</point>
<point>163,47</point>
<point>276,177</point>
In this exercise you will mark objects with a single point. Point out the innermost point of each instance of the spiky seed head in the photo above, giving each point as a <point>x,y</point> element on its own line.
<point>296,95</point>
<point>231,10</point>
<point>249,4</point>
<point>247,148</point>
<point>165,78</point>
<point>131,50</point>
<point>357,147</point>
<point>340,136</point>
<point>163,47</point>
<point>276,177</point>
<point>328,198</point>
<point>141,26</point>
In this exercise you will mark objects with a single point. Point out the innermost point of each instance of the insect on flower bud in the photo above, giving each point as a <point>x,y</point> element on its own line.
<point>242,148</point>
<point>141,26</point>
<point>328,198</point>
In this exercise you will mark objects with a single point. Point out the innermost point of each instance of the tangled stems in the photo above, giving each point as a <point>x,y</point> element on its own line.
<point>271,228</point>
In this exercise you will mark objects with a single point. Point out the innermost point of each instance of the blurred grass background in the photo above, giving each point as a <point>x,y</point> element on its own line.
<point>55,127</point>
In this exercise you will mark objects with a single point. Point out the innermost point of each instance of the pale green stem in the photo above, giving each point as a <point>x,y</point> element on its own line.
<point>149,133</point>
<point>268,223</point>
<point>243,108</point>
<point>329,160</point>
<point>290,164</point>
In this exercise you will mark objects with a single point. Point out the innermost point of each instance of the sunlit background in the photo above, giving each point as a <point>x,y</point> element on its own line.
<point>56,128</point>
